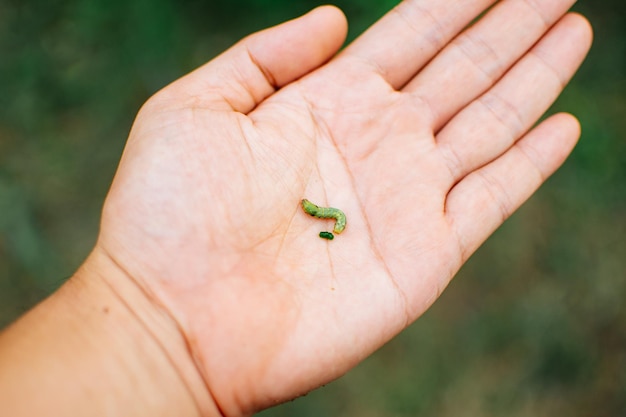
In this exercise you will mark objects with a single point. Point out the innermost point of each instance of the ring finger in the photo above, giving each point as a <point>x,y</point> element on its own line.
<point>491,124</point>
<point>477,58</point>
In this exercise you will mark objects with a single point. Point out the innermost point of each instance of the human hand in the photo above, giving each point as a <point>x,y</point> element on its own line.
<point>420,135</point>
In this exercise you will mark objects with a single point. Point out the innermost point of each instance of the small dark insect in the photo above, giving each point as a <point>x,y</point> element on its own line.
<point>327,235</point>
<point>326,213</point>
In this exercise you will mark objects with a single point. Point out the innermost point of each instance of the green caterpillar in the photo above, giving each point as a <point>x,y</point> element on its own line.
<point>326,213</point>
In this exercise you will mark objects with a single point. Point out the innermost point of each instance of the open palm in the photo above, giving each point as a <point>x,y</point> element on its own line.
<point>421,135</point>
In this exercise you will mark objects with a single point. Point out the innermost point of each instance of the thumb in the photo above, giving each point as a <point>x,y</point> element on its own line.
<point>254,68</point>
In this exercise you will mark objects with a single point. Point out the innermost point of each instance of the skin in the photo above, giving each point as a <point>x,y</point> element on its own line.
<point>204,296</point>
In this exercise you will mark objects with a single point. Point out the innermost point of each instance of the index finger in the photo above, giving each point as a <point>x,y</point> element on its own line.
<point>408,36</point>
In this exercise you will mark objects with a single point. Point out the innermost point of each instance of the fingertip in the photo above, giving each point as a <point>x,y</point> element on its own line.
<point>296,47</point>
<point>329,26</point>
<point>550,143</point>
<point>582,31</point>
<point>334,15</point>
<point>582,25</point>
<point>570,124</point>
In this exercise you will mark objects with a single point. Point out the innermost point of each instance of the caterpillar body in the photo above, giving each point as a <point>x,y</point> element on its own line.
<point>326,213</point>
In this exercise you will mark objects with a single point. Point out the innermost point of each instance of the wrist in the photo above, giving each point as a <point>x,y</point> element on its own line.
<point>100,346</point>
<point>154,344</point>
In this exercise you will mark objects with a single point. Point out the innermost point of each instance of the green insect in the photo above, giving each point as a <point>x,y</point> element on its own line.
<point>326,213</point>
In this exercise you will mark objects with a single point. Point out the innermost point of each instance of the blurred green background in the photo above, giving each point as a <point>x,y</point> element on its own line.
<point>533,325</point>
